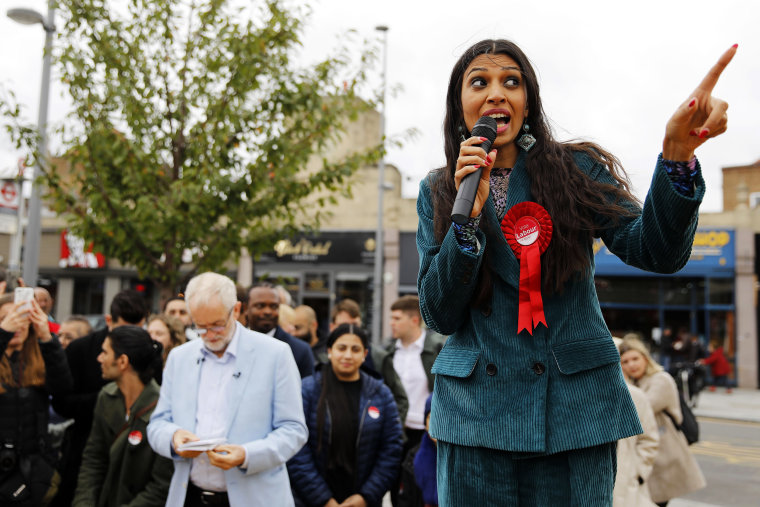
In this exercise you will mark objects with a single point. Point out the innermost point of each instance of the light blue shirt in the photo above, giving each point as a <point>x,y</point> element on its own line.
<point>216,374</point>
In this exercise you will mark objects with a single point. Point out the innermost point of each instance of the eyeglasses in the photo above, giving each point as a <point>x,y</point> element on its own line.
<point>200,331</point>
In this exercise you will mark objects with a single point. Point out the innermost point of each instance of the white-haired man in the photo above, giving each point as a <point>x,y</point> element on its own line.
<point>234,384</point>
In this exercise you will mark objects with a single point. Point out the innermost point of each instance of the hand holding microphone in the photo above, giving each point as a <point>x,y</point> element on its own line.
<point>485,128</point>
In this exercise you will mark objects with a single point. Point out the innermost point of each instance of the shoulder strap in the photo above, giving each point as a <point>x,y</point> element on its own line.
<point>139,414</point>
<point>678,426</point>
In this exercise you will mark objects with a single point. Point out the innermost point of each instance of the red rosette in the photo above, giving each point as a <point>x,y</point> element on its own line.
<point>527,227</point>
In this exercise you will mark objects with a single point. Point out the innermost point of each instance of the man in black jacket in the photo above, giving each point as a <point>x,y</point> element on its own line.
<point>127,307</point>
<point>263,312</point>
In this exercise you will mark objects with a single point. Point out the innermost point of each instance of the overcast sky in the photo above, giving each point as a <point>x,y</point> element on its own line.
<point>611,72</point>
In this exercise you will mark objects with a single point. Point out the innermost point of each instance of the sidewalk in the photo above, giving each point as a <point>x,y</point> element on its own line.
<point>739,405</point>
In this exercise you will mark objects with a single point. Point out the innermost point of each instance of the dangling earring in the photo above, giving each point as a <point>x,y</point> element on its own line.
<point>526,140</point>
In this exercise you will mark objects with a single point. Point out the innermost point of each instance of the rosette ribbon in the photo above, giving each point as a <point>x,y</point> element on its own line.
<point>527,228</point>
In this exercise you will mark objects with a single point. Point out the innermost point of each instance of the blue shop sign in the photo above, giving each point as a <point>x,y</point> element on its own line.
<point>713,254</point>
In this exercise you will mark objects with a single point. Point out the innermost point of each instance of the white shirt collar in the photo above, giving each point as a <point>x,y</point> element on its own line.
<point>417,345</point>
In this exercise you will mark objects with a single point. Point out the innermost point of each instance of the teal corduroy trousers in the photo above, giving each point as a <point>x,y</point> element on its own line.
<point>476,476</point>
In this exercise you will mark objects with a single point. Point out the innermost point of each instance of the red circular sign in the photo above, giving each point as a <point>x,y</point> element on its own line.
<point>9,191</point>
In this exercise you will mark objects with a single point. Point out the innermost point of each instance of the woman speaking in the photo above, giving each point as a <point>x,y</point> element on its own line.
<point>529,397</point>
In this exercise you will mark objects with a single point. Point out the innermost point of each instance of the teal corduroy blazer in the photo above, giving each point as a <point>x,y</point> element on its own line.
<point>561,388</point>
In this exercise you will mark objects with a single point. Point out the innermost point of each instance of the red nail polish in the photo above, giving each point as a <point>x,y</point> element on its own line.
<point>693,101</point>
<point>704,133</point>
<point>488,160</point>
<point>484,139</point>
<point>693,132</point>
<point>476,166</point>
<point>735,46</point>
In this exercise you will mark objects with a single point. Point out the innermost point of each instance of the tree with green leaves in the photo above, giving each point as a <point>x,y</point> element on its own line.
<point>193,129</point>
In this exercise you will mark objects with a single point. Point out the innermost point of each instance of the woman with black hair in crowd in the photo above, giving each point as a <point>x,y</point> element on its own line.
<point>32,367</point>
<point>529,399</point>
<point>118,466</point>
<point>354,450</point>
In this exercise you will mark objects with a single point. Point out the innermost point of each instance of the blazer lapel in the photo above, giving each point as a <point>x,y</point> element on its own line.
<point>193,379</point>
<point>244,363</point>
<point>503,260</point>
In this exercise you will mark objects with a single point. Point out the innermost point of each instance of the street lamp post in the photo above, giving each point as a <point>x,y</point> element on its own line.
<point>33,232</point>
<point>377,299</point>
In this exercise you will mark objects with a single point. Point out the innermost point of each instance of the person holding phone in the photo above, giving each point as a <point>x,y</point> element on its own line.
<point>32,366</point>
<point>529,397</point>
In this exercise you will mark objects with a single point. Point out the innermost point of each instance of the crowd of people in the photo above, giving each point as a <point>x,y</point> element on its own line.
<point>321,417</point>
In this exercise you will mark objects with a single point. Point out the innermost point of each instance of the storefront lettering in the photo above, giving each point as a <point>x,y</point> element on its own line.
<point>303,248</point>
<point>712,238</point>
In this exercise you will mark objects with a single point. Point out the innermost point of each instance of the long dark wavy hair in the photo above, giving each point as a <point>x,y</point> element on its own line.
<point>574,201</point>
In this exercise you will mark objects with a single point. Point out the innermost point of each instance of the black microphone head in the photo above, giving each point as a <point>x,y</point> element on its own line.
<point>485,127</point>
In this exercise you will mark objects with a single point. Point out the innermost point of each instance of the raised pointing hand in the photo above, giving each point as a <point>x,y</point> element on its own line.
<point>700,117</point>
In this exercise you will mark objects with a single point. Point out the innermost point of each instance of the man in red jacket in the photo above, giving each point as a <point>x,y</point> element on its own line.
<point>719,366</point>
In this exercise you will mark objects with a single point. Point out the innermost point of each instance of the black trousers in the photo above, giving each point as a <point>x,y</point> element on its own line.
<point>411,441</point>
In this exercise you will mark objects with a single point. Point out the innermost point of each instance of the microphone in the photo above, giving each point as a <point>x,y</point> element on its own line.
<point>200,360</point>
<point>468,188</point>
<point>236,374</point>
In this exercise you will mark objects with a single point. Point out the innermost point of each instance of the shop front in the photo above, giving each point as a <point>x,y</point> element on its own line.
<point>321,269</point>
<point>701,299</point>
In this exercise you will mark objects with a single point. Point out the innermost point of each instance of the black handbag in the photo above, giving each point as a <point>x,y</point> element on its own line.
<point>689,425</point>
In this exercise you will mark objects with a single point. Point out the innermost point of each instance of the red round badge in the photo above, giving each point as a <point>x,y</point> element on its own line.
<point>135,437</point>
<point>527,230</point>
<point>373,412</point>
<point>518,227</point>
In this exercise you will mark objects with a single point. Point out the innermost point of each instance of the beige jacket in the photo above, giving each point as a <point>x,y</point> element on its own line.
<point>675,471</point>
<point>635,457</point>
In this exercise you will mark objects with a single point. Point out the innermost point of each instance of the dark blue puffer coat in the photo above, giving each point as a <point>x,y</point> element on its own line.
<point>378,453</point>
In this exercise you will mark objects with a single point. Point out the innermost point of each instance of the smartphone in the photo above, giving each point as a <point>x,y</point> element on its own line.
<point>24,295</point>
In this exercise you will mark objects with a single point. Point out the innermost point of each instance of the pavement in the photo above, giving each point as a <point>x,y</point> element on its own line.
<point>738,405</point>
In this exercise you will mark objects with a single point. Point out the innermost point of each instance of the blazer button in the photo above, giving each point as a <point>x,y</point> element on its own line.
<point>539,368</point>
<point>491,369</point>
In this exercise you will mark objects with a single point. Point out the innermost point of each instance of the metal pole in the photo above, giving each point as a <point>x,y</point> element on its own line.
<point>33,230</point>
<point>14,264</point>
<point>377,299</point>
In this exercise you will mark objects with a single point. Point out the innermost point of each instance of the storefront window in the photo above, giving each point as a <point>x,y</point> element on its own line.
<point>627,290</point>
<point>622,321</point>
<point>721,291</point>
<point>88,296</point>
<point>316,282</point>
<point>678,291</point>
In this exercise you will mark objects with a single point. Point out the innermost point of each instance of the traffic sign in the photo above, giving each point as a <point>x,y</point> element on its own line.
<point>9,194</point>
